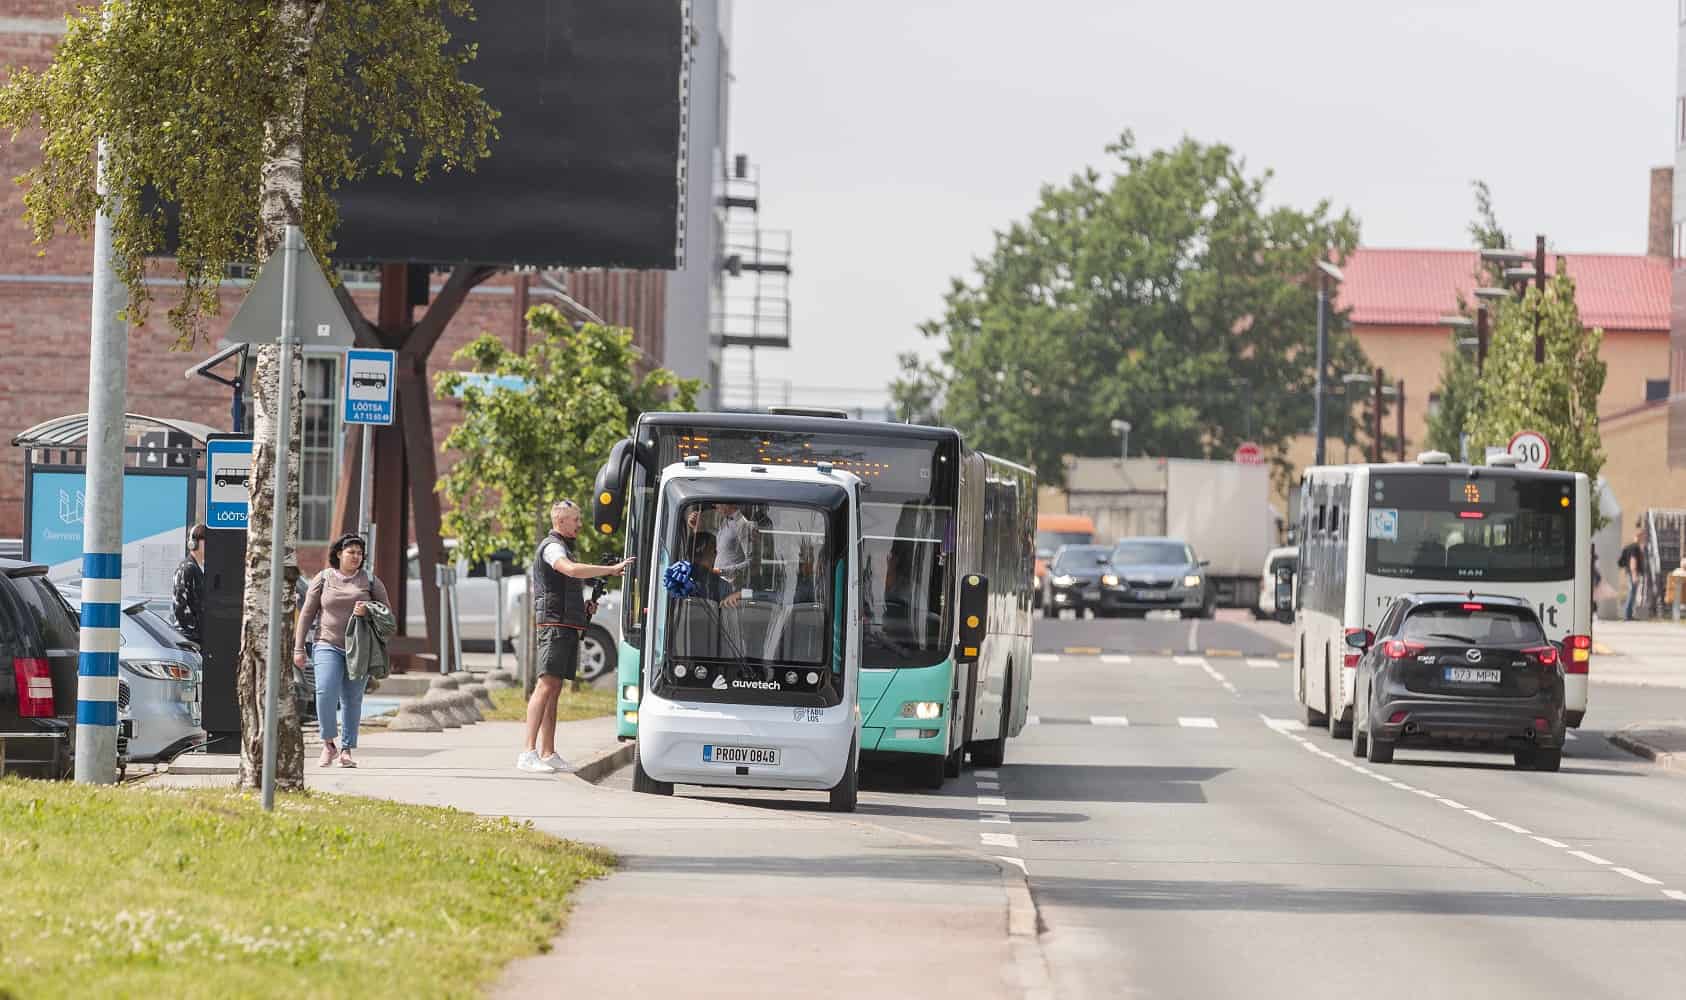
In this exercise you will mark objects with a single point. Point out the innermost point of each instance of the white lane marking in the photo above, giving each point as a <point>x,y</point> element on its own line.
<point>1425,793</point>
<point>1114,658</point>
<point>1569,734</point>
<point>1454,805</point>
<point>1230,688</point>
<point>1636,876</point>
<point>1190,661</point>
<point>1033,720</point>
<point>1108,720</point>
<point>1675,894</point>
<point>1257,664</point>
<point>1404,787</point>
<point>1589,858</point>
<point>1196,722</point>
<point>1045,658</point>
<point>1478,814</point>
<point>1560,845</point>
<point>1512,827</point>
<point>1015,862</point>
<point>1284,725</point>
<point>994,818</point>
<point>999,840</point>
<point>989,786</point>
<point>995,801</point>
<point>1193,635</point>
<point>991,775</point>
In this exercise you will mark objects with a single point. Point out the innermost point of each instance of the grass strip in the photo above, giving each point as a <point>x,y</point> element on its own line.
<point>510,705</point>
<point>127,891</point>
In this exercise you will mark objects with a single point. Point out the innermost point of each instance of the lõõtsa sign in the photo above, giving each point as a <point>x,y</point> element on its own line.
<point>368,385</point>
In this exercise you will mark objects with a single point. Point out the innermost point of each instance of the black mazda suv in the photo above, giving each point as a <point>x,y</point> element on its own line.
<point>1468,672</point>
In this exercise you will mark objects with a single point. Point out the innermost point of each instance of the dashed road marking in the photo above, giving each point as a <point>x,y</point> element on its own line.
<point>1478,814</point>
<point>1560,845</point>
<point>989,786</point>
<point>1637,876</point>
<point>1045,658</point>
<point>1230,688</point>
<point>995,818</point>
<point>1115,658</point>
<point>1189,661</point>
<point>1284,725</point>
<point>1512,827</point>
<point>1015,862</point>
<point>991,775</point>
<point>1675,894</point>
<point>1108,720</point>
<point>1591,859</point>
<point>1425,793</point>
<point>1454,805</point>
<point>1033,720</point>
<point>999,840</point>
<point>1196,722</point>
<point>994,801</point>
<point>1258,664</point>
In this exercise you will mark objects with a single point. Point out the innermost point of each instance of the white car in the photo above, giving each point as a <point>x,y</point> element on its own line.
<point>1286,557</point>
<point>477,607</point>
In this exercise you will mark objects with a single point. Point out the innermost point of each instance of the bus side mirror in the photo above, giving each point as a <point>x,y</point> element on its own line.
<point>1285,594</point>
<point>974,617</point>
<point>608,491</point>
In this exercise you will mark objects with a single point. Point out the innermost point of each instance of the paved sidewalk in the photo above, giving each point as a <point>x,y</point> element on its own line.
<point>1642,653</point>
<point>714,899</point>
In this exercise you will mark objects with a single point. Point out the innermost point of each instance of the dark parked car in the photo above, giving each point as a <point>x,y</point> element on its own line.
<point>40,646</point>
<point>1156,574</point>
<point>1462,672</point>
<point>1074,579</point>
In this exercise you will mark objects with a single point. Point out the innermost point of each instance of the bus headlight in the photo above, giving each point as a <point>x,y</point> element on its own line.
<point>629,693</point>
<point>922,709</point>
<point>1064,580</point>
<point>1192,580</point>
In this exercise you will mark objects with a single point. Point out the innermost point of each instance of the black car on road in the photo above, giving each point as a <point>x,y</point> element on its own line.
<point>1468,672</point>
<point>1155,574</point>
<point>40,646</point>
<point>1074,579</point>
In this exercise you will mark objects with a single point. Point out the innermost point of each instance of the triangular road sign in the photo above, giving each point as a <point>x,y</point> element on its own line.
<point>320,320</point>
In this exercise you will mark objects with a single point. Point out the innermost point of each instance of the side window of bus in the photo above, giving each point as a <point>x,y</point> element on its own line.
<point>1335,521</point>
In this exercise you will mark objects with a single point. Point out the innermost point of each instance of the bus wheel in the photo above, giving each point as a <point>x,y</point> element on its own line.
<point>847,789</point>
<point>953,763</point>
<point>1338,730</point>
<point>993,753</point>
<point>1308,715</point>
<point>928,771</point>
<point>641,780</point>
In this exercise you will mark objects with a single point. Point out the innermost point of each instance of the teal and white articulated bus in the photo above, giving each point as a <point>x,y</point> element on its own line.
<point>931,510</point>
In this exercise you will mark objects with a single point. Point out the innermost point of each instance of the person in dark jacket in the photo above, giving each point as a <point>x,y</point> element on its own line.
<point>188,604</point>
<point>560,614</point>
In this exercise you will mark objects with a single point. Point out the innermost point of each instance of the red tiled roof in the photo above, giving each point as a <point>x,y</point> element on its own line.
<point>1417,287</point>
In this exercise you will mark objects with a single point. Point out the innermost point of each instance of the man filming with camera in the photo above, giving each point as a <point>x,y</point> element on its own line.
<point>560,614</point>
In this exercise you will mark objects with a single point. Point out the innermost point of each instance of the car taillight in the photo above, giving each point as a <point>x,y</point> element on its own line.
<point>1399,649</point>
<point>35,687</point>
<point>1545,656</point>
<point>1580,654</point>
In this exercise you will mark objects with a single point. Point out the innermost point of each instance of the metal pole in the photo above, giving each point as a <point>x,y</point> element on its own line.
<point>495,570</point>
<point>278,516</point>
<point>102,513</point>
<point>444,619</point>
<point>1376,421</point>
<point>1480,338</point>
<point>1322,356</point>
<point>456,623</point>
<point>1539,285</point>
<point>363,513</point>
<point>1399,414</point>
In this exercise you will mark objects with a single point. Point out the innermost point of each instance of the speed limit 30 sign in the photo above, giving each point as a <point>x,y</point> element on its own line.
<point>1531,449</point>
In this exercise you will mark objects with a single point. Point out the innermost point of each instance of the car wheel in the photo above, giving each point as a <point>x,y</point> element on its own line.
<point>1380,751</point>
<point>1360,725</point>
<point>1548,760</point>
<point>641,780</point>
<point>598,655</point>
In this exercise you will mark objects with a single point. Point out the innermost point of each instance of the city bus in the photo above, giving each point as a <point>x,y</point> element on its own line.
<point>1368,533</point>
<point>932,510</point>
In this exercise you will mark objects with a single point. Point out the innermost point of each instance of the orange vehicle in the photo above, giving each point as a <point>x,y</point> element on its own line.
<point>1055,530</point>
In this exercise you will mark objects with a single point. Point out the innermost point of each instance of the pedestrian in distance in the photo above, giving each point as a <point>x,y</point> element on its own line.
<point>1633,564</point>
<point>188,592</point>
<point>560,615</point>
<point>340,592</point>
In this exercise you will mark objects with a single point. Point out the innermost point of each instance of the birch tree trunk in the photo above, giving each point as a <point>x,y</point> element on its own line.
<point>281,203</point>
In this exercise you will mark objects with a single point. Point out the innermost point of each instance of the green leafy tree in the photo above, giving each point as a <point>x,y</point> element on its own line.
<point>1558,398</point>
<point>1458,380</point>
<point>915,395</point>
<point>537,430</point>
<point>244,116</point>
<point>1167,294</point>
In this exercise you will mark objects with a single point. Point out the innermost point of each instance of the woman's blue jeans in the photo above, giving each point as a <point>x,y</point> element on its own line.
<point>333,690</point>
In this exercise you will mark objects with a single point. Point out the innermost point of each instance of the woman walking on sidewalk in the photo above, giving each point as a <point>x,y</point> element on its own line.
<point>339,592</point>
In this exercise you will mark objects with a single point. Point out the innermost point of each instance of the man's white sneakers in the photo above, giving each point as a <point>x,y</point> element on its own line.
<point>530,761</point>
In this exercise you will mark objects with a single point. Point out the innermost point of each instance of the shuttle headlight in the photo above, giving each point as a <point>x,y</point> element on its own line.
<point>630,692</point>
<point>922,709</point>
<point>1192,580</point>
<point>1110,579</point>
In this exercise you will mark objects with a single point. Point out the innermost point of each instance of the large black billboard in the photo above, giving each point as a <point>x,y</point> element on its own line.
<point>585,173</point>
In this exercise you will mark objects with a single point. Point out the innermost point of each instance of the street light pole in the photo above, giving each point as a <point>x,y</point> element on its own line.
<point>1327,271</point>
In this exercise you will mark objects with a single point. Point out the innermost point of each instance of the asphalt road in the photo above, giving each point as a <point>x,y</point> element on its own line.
<point>1184,837</point>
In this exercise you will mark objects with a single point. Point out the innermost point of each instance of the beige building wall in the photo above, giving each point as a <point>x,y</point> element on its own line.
<point>1635,446</point>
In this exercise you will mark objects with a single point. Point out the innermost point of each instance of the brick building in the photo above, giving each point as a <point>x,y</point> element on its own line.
<point>45,292</point>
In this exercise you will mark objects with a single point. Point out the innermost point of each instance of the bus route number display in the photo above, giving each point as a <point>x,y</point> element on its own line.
<point>1470,492</point>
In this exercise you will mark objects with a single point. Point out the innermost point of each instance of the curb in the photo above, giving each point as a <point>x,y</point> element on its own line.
<point>1640,748</point>
<point>594,769</point>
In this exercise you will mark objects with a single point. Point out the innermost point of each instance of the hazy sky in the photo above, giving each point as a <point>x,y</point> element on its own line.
<point>896,136</point>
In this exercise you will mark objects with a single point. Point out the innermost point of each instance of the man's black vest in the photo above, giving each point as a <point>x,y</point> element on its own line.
<point>557,599</point>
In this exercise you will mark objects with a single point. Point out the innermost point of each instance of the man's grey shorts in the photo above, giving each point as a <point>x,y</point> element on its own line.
<point>559,651</point>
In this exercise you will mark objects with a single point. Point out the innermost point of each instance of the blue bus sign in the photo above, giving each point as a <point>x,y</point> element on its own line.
<point>368,385</point>
<point>228,473</point>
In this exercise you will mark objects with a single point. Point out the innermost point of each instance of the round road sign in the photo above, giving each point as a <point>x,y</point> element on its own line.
<point>1249,453</point>
<point>1531,449</point>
